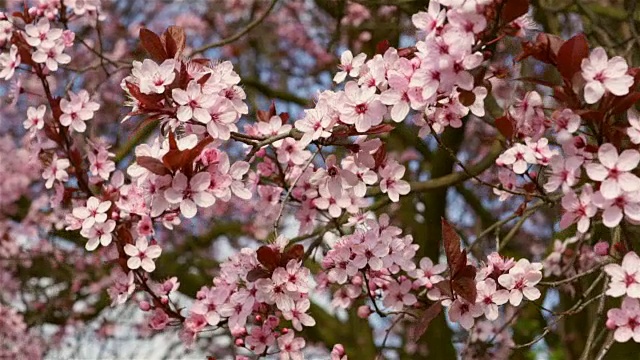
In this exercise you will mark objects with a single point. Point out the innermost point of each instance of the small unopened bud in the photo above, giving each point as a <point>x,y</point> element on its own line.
<point>144,305</point>
<point>601,248</point>
<point>239,342</point>
<point>364,311</point>
<point>611,325</point>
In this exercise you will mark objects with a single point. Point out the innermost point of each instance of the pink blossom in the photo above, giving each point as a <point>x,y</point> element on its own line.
<point>142,255</point>
<point>152,77</point>
<point>298,315</point>
<point>35,118</point>
<point>464,313</point>
<point>521,280</point>
<point>9,63</point>
<point>77,110</point>
<point>189,193</point>
<point>602,74</point>
<point>349,65</point>
<point>519,157</point>
<point>580,209</point>
<point>93,212</point>
<point>633,131</point>
<point>564,172</point>
<point>41,35</point>
<point>398,295</point>
<point>290,346</point>
<point>625,320</point>
<point>193,103</point>
<point>428,274</point>
<point>99,233</point>
<point>51,57</point>
<point>625,278</point>
<point>614,171</point>
<point>361,106</point>
<point>627,204</point>
<point>489,298</point>
<point>391,182</point>
<point>56,171</point>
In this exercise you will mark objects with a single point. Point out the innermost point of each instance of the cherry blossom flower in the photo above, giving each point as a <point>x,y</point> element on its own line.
<point>293,151</point>
<point>349,65</point>
<point>99,233</point>
<point>577,208</point>
<point>100,165</point>
<point>627,204</point>
<point>489,298</point>
<point>361,106</point>
<point>519,156</point>
<point>398,295</point>
<point>238,309</point>
<point>338,353</point>
<point>428,274</point>
<point>51,57</point>
<point>152,77</point>
<point>625,278</point>
<point>625,320</point>
<point>298,315</point>
<point>391,182</point>
<point>122,287</point>
<point>290,346</point>
<point>464,313</point>
<point>261,338</point>
<point>273,128</point>
<point>9,63</point>
<point>41,35</point>
<point>614,171</point>
<point>56,171</point>
<point>35,118</point>
<point>564,172</point>
<point>193,103</point>
<point>142,255</point>
<point>565,123</point>
<point>314,124</point>
<point>521,280</point>
<point>93,212</point>
<point>189,193</point>
<point>604,74</point>
<point>77,110</point>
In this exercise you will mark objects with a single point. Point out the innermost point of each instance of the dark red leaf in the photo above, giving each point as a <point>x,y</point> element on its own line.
<point>380,129</point>
<point>152,43</point>
<point>465,287</point>
<point>382,46</point>
<point>147,101</point>
<point>267,115</point>
<point>624,103</point>
<point>152,164</point>
<point>545,48</point>
<point>505,126</point>
<point>174,41</point>
<point>257,273</point>
<point>380,156</point>
<point>467,98</point>
<point>268,257</point>
<point>420,327</point>
<point>513,9</point>
<point>570,56</point>
<point>451,243</point>
<point>295,252</point>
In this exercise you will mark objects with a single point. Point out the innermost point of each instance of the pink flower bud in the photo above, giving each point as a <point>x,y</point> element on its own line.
<point>601,248</point>
<point>364,311</point>
<point>611,325</point>
<point>144,305</point>
<point>239,342</point>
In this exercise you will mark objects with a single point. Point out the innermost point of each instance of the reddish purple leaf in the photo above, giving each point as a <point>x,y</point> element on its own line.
<point>570,56</point>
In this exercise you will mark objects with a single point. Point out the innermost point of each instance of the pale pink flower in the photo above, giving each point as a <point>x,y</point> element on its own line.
<point>614,171</point>
<point>189,193</point>
<point>489,298</point>
<point>391,182</point>
<point>100,165</point>
<point>293,151</point>
<point>361,106</point>
<point>99,233</point>
<point>193,103</point>
<point>41,35</point>
<point>290,346</point>
<point>51,57</point>
<point>428,274</point>
<point>349,65</point>
<point>93,212</point>
<point>35,118</point>
<point>518,157</point>
<point>564,172</point>
<point>56,171</point>
<point>77,110</point>
<point>634,129</point>
<point>464,313</point>
<point>142,255</point>
<point>602,74</point>
<point>398,295</point>
<point>9,63</point>
<point>626,204</point>
<point>298,315</point>
<point>625,320</point>
<point>580,209</point>
<point>625,278</point>
<point>153,78</point>
<point>521,280</point>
